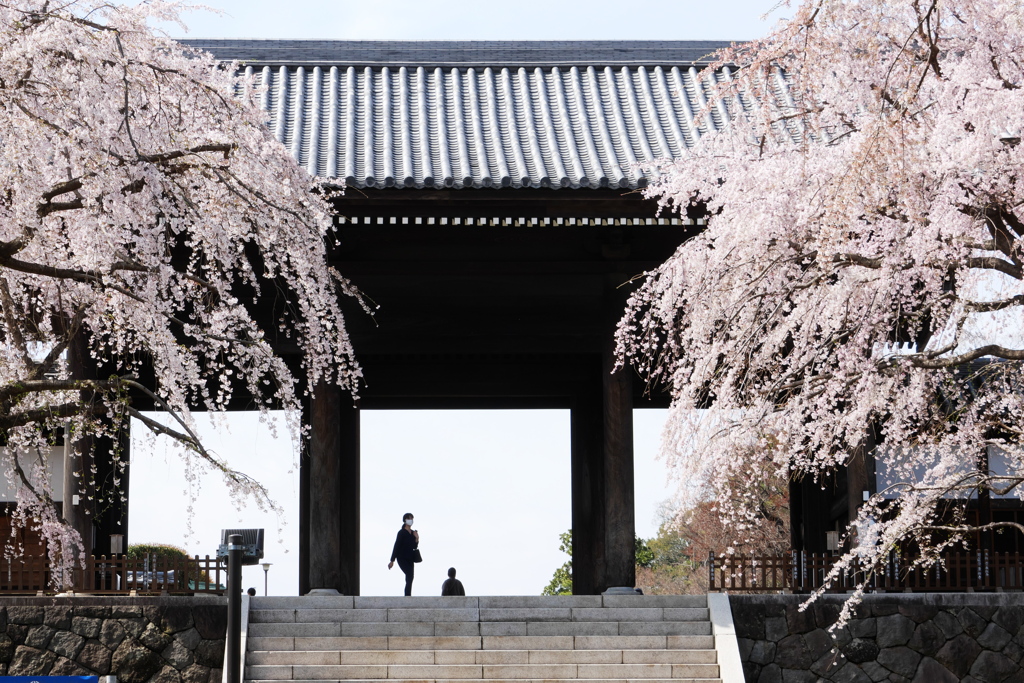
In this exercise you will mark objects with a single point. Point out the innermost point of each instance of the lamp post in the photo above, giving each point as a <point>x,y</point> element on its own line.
<point>266,571</point>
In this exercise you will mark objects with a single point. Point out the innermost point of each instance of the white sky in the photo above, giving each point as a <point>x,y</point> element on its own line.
<point>482,484</point>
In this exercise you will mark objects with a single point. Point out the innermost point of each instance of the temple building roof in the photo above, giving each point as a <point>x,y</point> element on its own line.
<point>480,114</point>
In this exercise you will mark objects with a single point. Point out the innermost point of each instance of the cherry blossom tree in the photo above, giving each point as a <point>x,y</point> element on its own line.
<point>146,216</point>
<point>860,274</point>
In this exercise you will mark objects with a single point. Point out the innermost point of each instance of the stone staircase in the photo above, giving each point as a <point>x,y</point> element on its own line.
<point>585,639</point>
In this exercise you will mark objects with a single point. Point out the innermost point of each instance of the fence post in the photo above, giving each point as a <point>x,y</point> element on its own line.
<point>711,571</point>
<point>234,608</point>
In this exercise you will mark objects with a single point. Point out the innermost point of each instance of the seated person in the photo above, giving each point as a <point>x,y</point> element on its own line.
<point>452,586</point>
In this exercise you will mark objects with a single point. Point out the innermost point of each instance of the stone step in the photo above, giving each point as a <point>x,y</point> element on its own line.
<point>483,614</point>
<point>482,672</point>
<point>358,657</point>
<point>476,628</point>
<point>658,642</point>
<point>482,602</point>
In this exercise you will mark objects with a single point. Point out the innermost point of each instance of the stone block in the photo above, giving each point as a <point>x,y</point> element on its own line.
<point>39,636</point>
<point>433,614</point>
<point>927,639</point>
<point>994,638</point>
<point>95,657</point>
<point>93,611</point>
<point>128,611</point>
<point>860,650</point>
<point>209,653</point>
<point>268,672</point>
<point>434,643</point>
<point>535,671</point>
<point>411,628</point>
<point>339,643</point>
<point>274,616</point>
<point>67,644</point>
<point>529,643</point>
<point>189,639</point>
<point>623,643</point>
<point>1014,652</point>
<point>919,612</point>
<point>666,601</point>
<point>177,655</point>
<point>875,671</point>
<point>270,643</point>
<point>992,667</point>
<point>798,676</point>
<point>17,633</point>
<point>1009,617</point>
<point>749,619</point>
<point>402,602</point>
<point>25,615</point>
<point>316,657</point>
<point>884,606</point>
<point>850,673</point>
<point>133,662</point>
<point>690,642</point>
<point>509,656</point>
<point>751,671</point>
<point>332,615</point>
<point>900,660</point>
<point>829,664</point>
<point>66,667</point>
<point>791,653</point>
<point>775,629</point>
<point>303,602</point>
<point>166,675</point>
<point>6,648</point>
<point>614,671</point>
<point>930,671</point>
<point>948,624</point>
<point>972,623</point>
<point>434,672</point>
<point>958,654</point>
<point>666,628</point>
<point>770,674</point>
<point>863,628</point>
<point>574,628</point>
<point>111,634</point>
<point>798,621</point>
<point>295,630</point>
<point>57,617</point>
<point>28,661</point>
<point>448,657</point>
<point>687,614</point>
<point>135,626</point>
<point>341,672</point>
<point>819,642</point>
<point>544,601</point>
<point>503,628</point>
<point>617,614</point>
<point>86,627</point>
<point>211,620</point>
<point>457,628</point>
<point>195,674</point>
<point>576,657</point>
<point>894,630</point>
<point>762,652</point>
<point>527,614</point>
<point>826,612</point>
<point>154,638</point>
<point>176,618</point>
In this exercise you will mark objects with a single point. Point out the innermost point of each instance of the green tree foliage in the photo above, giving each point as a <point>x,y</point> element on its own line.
<point>137,551</point>
<point>561,582</point>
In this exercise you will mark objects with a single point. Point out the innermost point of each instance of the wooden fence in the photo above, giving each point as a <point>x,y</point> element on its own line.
<point>116,576</point>
<point>801,572</point>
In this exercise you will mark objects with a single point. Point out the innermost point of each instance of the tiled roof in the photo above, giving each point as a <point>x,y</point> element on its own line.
<point>479,114</point>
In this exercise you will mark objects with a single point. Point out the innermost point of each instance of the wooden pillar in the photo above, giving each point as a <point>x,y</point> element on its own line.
<point>333,493</point>
<point>603,508</point>
<point>588,528</point>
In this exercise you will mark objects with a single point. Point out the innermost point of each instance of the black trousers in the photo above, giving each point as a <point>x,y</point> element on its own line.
<point>408,567</point>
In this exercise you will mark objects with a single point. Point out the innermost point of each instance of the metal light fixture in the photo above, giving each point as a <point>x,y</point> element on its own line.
<point>266,571</point>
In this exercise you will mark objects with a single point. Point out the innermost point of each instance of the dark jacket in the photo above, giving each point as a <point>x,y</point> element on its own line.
<point>404,545</point>
<point>452,587</point>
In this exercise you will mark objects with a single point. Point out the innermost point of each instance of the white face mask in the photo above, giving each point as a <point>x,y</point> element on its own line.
<point>408,521</point>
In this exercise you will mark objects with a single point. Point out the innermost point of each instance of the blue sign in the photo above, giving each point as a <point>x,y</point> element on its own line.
<point>49,679</point>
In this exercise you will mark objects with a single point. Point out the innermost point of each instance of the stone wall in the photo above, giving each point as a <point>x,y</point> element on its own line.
<point>931,637</point>
<point>139,640</point>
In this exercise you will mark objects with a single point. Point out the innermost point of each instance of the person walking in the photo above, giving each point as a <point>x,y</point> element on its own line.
<point>452,586</point>
<point>406,544</point>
